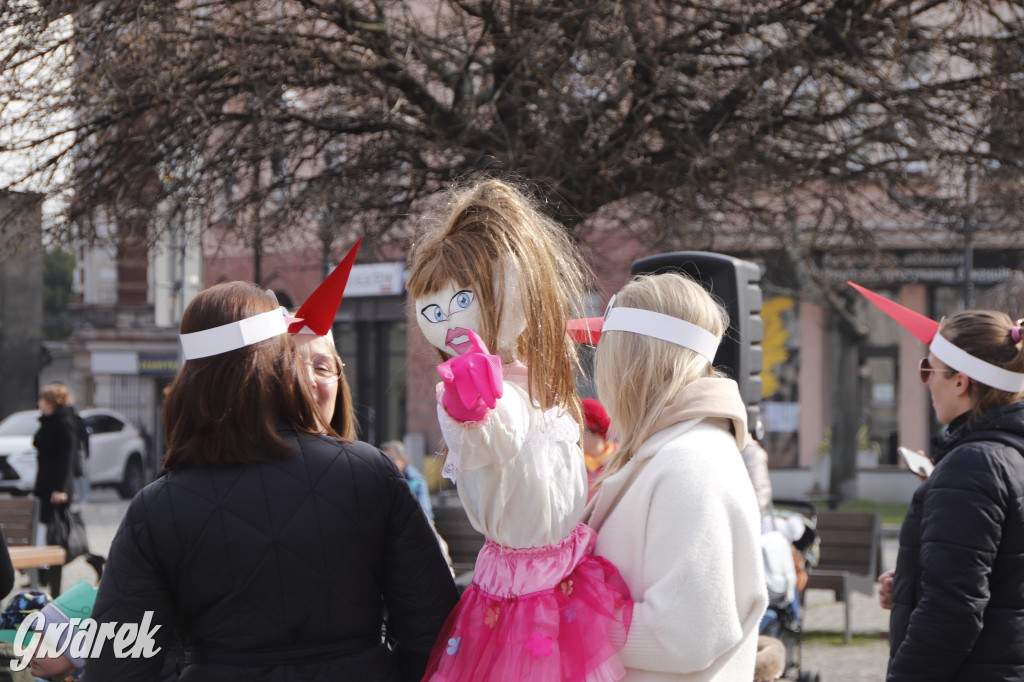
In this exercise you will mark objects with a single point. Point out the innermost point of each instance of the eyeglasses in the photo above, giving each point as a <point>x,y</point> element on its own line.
<point>925,367</point>
<point>326,370</point>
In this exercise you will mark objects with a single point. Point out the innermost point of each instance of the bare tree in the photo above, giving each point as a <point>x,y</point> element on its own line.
<point>797,125</point>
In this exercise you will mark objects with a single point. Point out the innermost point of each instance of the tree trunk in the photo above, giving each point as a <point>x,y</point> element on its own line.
<point>257,261</point>
<point>845,418</point>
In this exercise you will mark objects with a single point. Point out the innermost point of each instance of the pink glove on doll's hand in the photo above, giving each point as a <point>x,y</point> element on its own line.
<point>472,382</point>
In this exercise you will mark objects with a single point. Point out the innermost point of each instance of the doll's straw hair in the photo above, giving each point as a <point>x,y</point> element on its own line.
<point>492,229</point>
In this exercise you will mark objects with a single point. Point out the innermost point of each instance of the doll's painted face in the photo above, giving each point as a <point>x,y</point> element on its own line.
<point>446,315</point>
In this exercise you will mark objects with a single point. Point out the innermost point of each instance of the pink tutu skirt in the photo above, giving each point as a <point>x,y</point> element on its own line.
<point>542,614</point>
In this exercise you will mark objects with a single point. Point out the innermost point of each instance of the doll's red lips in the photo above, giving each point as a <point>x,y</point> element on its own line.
<point>454,334</point>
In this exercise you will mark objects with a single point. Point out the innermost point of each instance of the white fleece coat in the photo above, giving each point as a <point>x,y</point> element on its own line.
<point>681,523</point>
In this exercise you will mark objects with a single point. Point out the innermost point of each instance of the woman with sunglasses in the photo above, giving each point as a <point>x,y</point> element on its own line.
<point>957,593</point>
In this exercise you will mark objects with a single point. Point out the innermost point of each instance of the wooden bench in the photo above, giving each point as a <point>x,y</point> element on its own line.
<point>850,556</point>
<point>19,518</point>
<point>464,541</point>
<point>36,556</point>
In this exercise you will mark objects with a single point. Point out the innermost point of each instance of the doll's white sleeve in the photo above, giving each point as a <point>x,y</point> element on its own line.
<point>494,440</point>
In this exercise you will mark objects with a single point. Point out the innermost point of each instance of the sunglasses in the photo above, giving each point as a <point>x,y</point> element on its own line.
<point>925,367</point>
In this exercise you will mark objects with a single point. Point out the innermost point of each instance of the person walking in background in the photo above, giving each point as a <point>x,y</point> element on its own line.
<point>675,509</point>
<point>271,549</point>
<point>82,488</point>
<point>395,450</point>
<point>597,447</point>
<point>56,444</point>
<point>59,447</point>
<point>955,594</point>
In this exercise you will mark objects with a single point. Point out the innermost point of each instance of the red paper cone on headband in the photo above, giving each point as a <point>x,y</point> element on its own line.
<point>922,327</point>
<point>318,312</point>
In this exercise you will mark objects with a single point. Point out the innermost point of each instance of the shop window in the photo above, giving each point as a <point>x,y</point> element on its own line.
<point>374,356</point>
<point>878,374</point>
<point>780,406</point>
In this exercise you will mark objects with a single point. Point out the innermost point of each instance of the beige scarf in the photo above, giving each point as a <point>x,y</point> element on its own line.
<point>710,398</point>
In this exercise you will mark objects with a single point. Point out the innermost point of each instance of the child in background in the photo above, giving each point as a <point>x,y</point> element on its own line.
<point>20,607</point>
<point>76,602</point>
<point>597,448</point>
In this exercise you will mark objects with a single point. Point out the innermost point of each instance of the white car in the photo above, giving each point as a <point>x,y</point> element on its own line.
<point>117,452</point>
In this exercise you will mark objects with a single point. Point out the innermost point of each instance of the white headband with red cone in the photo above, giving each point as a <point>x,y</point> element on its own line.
<point>646,323</point>
<point>234,335</point>
<point>927,331</point>
<point>316,316</point>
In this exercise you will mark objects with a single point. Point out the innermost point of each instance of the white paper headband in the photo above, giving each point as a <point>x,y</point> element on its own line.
<point>976,368</point>
<point>661,326</point>
<point>234,335</point>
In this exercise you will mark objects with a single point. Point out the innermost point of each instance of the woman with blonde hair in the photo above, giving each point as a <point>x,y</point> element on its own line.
<point>56,442</point>
<point>675,510</point>
<point>490,271</point>
<point>955,594</point>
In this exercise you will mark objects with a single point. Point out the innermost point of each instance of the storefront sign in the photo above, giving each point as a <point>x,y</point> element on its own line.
<point>911,267</point>
<point>376,279</point>
<point>115,363</point>
<point>158,364</point>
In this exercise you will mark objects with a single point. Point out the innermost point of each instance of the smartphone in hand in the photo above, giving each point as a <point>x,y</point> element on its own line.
<point>916,462</point>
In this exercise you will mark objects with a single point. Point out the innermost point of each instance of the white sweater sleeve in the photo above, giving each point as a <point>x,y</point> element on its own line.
<point>703,583</point>
<point>493,440</point>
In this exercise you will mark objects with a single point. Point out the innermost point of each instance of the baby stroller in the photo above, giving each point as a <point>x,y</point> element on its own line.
<point>790,546</point>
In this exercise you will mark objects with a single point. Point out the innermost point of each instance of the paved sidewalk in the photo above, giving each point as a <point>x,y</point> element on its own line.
<point>864,659</point>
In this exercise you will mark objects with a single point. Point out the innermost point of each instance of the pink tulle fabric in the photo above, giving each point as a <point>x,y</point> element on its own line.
<point>543,614</point>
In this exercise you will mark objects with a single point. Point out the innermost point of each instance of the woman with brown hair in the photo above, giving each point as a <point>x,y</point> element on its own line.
<point>956,598</point>
<point>271,549</point>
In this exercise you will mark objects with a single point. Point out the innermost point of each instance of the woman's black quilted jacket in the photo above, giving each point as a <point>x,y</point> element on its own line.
<point>958,592</point>
<point>279,571</point>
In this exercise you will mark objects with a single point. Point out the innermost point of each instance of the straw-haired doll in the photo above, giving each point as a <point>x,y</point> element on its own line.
<point>493,281</point>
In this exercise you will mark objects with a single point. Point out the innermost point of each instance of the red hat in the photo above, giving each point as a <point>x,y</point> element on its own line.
<point>316,316</point>
<point>596,417</point>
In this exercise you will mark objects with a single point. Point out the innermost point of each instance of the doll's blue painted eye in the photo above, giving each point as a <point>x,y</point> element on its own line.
<point>460,301</point>
<point>433,313</point>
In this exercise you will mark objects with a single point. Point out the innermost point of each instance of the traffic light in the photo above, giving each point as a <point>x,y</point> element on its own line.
<point>735,283</point>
